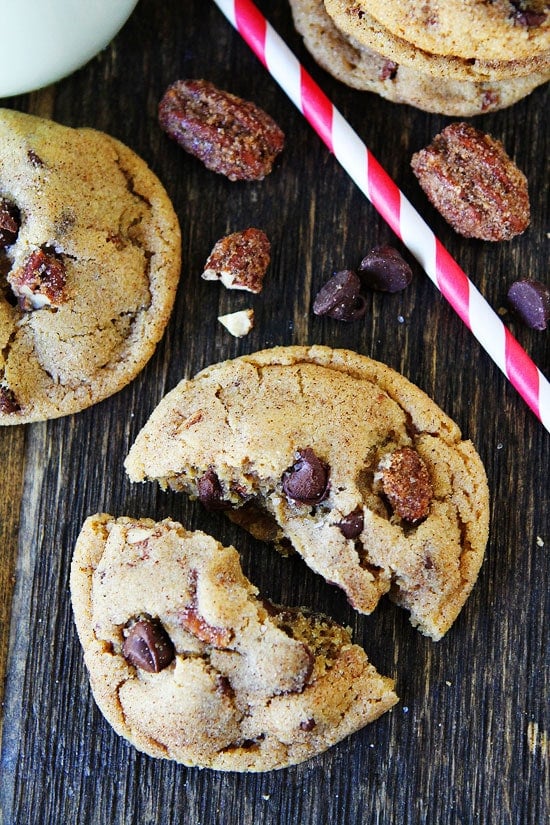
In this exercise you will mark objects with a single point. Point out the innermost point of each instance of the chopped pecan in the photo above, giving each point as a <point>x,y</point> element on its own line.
<point>231,136</point>
<point>40,282</point>
<point>9,222</point>
<point>191,619</point>
<point>8,401</point>
<point>406,484</point>
<point>238,323</point>
<point>239,260</point>
<point>474,184</point>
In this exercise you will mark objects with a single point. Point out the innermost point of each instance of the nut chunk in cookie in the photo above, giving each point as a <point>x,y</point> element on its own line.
<point>339,457</point>
<point>188,663</point>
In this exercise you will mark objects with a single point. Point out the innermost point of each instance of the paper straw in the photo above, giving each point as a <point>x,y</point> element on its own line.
<point>392,204</point>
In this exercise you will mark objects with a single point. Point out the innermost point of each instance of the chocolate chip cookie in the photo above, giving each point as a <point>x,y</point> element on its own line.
<point>188,663</point>
<point>498,62</point>
<point>361,67</point>
<point>338,457</point>
<point>89,265</point>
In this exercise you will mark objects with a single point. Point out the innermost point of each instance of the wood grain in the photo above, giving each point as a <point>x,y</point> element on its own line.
<point>468,743</point>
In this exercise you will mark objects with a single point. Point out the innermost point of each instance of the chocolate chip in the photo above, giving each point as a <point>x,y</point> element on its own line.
<point>388,70</point>
<point>525,17</point>
<point>148,646</point>
<point>351,525</point>
<point>9,222</point>
<point>530,300</point>
<point>307,480</point>
<point>385,270</point>
<point>341,297</point>
<point>210,491</point>
<point>307,725</point>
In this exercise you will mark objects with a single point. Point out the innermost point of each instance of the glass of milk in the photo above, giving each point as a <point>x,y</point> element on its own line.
<point>45,40</point>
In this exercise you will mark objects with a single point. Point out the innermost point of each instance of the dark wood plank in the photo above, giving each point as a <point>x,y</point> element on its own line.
<point>469,741</point>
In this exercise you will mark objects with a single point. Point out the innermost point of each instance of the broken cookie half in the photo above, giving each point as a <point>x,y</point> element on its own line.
<point>338,457</point>
<point>188,663</point>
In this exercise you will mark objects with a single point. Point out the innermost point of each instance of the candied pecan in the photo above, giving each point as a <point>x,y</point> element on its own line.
<point>406,484</point>
<point>191,619</point>
<point>231,136</point>
<point>9,222</point>
<point>40,282</point>
<point>8,401</point>
<point>474,184</point>
<point>239,260</point>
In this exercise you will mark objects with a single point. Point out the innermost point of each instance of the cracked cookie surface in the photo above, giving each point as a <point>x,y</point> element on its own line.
<point>300,446</point>
<point>89,262</point>
<point>188,663</point>
<point>362,68</point>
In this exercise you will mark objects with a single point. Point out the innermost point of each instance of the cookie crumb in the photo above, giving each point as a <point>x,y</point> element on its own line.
<point>540,542</point>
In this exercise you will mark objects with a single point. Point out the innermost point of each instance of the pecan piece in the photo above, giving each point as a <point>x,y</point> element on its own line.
<point>191,619</point>
<point>9,222</point>
<point>41,282</point>
<point>406,484</point>
<point>475,185</point>
<point>231,136</point>
<point>8,401</point>
<point>239,260</point>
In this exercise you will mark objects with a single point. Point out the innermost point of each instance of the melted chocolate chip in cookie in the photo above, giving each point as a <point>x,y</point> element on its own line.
<point>148,646</point>
<point>307,480</point>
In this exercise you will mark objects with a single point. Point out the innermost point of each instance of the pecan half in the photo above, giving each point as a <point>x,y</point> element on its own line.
<point>474,184</point>
<point>40,282</point>
<point>239,260</point>
<point>406,484</point>
<point>231,136</point>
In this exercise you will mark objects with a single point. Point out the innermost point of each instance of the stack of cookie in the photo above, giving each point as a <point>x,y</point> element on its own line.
<point>459,58</point>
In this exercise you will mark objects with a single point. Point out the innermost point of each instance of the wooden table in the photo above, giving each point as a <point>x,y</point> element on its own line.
<point>468,742</point>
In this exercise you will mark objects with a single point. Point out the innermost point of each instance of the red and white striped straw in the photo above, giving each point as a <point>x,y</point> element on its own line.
<point>392,204</point>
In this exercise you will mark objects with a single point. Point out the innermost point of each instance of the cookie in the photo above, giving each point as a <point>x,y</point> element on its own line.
<point>468,29</point>
<point>188,663</point>
<point>90,261</point>
<point>353,20</point>
<point>298,445</point>
<point>366,70</point>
